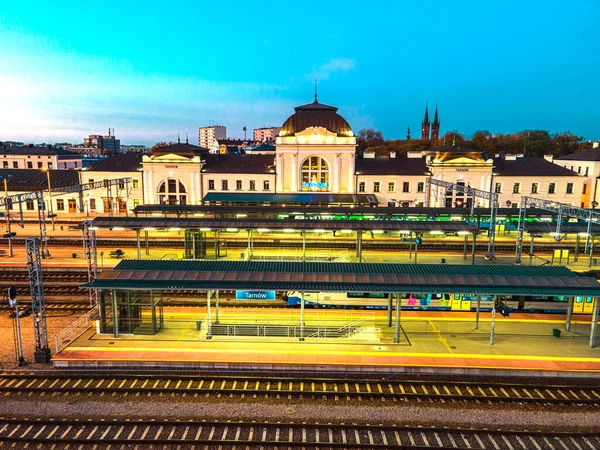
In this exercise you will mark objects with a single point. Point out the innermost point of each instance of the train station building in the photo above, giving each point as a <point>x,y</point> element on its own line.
<point>316,154</point>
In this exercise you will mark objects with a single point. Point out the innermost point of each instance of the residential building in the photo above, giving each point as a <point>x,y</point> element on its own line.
<point>103,145</point>
<point>30,157</point>
<point>587,165</point>
<point>266,134</point>
<point>20,181</point>
<point>207,136</point>
<point>123,196</point>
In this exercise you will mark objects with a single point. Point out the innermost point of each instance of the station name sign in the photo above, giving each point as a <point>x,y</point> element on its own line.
<point>171,166</point>
<point>255,295</point>
<point>462,170</point>
<point>314,185</point>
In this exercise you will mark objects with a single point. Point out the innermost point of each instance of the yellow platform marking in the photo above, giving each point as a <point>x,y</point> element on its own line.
<point>333,316</point>
<point>440,338</point>
<point>333,352</point>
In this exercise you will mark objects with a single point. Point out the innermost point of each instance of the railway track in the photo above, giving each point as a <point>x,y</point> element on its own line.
<point>95,433</point>
<point>76,383</point>
<point>337,244</point>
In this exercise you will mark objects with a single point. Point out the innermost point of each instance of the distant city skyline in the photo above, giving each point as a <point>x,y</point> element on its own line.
<point>151,70</point>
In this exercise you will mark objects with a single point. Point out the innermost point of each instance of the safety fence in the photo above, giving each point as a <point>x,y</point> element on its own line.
<point>76,329</point>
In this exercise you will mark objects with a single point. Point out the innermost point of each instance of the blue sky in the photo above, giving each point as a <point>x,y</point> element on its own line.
<point>152,69</point>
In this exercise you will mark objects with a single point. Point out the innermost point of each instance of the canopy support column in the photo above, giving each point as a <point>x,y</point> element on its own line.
<point>594,317</point>
<point>153,309</point>
<point>397,328</point>
<point>304,245</point>
<point>591,250</point>
<point>147,244</point>
<point>216,307</point>
<point>569,314</point>
<point>390,306</point>
<point>301,316</point>
<point>531,250</point>
<point>139,248</point>
<point>493,328</point>
<point>473,248</point>
<point>115,309</point>
<point>193,235</point>
<point>208,324</point>
<point>477,312</point>
<point>576,257</point>
<point>410,245</point>
<point>465,246</point>
<point>359,245</point>
<point>416,247</point>
<point>249,251</point>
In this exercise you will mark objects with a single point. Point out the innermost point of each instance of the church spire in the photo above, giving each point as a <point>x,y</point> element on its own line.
<point>408,134</point>
<point>426,124</point>
<point>435,126</point>
<point>316,83</point>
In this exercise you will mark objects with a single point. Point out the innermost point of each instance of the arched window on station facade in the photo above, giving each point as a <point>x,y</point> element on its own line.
<point>172,192</point>
<point>314,174</point>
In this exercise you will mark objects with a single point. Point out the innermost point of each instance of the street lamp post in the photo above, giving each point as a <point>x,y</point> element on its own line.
<point>50,197</point>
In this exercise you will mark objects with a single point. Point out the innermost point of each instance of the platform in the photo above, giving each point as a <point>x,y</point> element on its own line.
<point>445,343</point>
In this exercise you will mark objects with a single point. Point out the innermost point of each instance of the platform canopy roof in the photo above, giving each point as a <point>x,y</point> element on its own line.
<point>280,224</point>
<point>282,207</point>
<point>345,277</point>
<point>565,228</point>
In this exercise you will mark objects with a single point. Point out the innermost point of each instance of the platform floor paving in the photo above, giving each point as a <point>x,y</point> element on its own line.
<point>524,344</point>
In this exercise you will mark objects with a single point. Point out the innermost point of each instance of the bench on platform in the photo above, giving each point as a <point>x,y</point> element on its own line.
<point>2,252</point>
<point>117,254</point>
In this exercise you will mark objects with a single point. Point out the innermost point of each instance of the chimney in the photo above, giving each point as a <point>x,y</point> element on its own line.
<point>549,158</point>
<point>392,154</point>
<point>596,144</point>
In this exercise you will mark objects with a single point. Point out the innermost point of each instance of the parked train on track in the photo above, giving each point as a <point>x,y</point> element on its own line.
<point>438,302</point>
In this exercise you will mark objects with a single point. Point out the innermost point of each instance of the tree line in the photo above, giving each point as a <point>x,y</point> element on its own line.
<point>531,143</point>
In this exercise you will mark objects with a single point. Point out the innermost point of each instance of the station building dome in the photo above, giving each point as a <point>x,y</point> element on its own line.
<point>316,114</point>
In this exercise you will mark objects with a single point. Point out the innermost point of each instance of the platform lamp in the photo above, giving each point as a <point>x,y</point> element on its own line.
<point>594,204</point>
<point>8,203</point>
<point>51,215</point>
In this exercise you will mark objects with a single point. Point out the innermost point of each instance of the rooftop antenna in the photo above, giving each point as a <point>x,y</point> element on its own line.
<point>178,140</point>
<point>186,138</point>
<point>109,132</point>
<point>316,83</point>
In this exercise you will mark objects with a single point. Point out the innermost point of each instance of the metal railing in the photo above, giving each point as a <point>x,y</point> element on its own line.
<point>76,329</point>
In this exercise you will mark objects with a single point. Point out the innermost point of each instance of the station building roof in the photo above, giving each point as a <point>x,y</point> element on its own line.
<point>530,167</point>
<point>592,154</point>
<point>121,162</point>
<point>25,180</point>
<point>345,277</point>
<point>280,224</point>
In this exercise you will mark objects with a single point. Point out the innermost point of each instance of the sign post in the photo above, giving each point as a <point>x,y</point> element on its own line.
<point>12,301</point>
